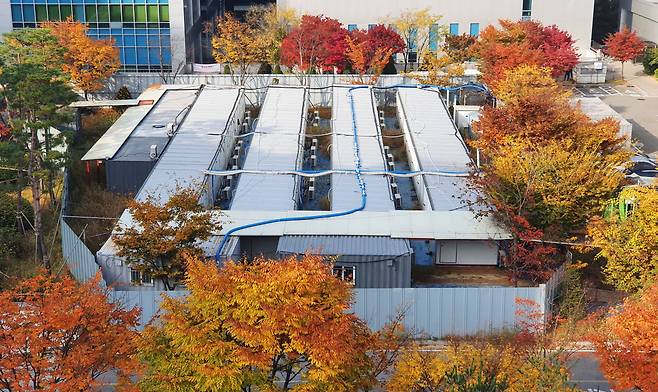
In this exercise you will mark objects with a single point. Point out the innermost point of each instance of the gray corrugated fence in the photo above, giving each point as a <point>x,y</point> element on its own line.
<point>429,312</point>
<point>437,312</point>
<point>79,259</point>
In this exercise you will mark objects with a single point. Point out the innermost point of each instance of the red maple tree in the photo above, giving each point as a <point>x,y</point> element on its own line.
<point>524,42</point>
<point>319,43</point>
<point>623,46</point>
<point>56,335</point>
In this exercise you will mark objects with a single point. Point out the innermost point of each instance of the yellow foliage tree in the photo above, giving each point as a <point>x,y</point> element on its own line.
<point>440,70</point>
<point>241,45</point>
<point>415,28</point>
<point>259,326</point>
<point>89,62</point>
<point>526,80</point>
<point>629,247</point>
<point>478,367</point>
<point>274,23</point>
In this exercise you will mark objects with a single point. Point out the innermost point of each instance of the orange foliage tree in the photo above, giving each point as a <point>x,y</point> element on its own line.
<point>56,335</point>
<point>260,325</point>
<point>524,42</point>
<point>89,62</point>
<point>363,62</point>
<point>623,46</point>
<point>627,343</point>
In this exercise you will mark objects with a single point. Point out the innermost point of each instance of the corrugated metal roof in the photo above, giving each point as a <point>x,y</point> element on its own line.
<point>139,121</point>
<point>344,245</point>
<point>447,225</point>
<point>438,147</point>
<point>193,148</point>
<point>345,191</point>
<point>275,145</point>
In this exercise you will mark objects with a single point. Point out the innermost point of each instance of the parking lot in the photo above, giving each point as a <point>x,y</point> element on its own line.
<point>607,90</point>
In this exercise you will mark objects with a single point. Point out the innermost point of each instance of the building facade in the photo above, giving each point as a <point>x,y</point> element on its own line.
<point>642,17</point>
<point>152,35</point>
<point>468,16</point>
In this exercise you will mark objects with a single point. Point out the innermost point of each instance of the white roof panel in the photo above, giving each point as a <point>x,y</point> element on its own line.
<point>275,145</point>
<point>438,146</point>
<point>345,191</point>
<point>193,147</point>
<point>112,140</point>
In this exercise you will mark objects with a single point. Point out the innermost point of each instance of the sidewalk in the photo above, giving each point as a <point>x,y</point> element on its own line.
<point>635,77</point>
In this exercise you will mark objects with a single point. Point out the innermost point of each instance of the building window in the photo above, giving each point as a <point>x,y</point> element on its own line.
<point>141,31</point>
<point>526,13</point>
<point>454,28</point>
<point>475,29</point>
<point>434,38</point>
<point>139,278</point>
<point>371,26</point>
<point>345,273</point>
<point>351,27</point>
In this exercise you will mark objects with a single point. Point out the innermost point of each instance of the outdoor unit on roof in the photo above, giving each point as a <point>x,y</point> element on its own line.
<point>394,187</point>
<point>229,181</point>
<point>236,158</point>
<point>397,200</point>
<point>382,120</point>
<point>170,129</point>
<point>314,160</point>
<point>153,152</point>
<point>226,193</point>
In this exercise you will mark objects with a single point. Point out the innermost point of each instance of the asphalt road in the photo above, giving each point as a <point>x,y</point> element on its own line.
<point>642,112</point>
<point>586,375</point>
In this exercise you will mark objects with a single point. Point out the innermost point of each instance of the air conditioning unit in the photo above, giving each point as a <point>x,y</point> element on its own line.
<point>235,159</point>
<point>240,143</point>
<point>153,151</point>
<point>226,193</point>
<point>394,188</point>
<point>236,150</point>
<point>311,192</point>
<point>314,142</point>
<point>170,129</point>
<point>397,200</point>
<point>229,181</point>
<point>314,160</point>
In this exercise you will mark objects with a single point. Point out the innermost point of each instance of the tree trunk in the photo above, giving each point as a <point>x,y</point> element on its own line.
<point>33,166</point>
<point>622,70</point>
<point>19,201</point>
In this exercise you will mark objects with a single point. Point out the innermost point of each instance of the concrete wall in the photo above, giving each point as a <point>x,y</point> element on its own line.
<point>177,23</point>
<point>5,16</point>
<point>642,17</point>
<point>574,16</point>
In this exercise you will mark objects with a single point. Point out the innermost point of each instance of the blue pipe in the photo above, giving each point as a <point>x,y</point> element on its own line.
<point>362,186</point>
<point>357,165</point>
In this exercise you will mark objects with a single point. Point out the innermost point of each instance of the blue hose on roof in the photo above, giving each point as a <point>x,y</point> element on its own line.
<point>357,171</point>
<point>359,178</point>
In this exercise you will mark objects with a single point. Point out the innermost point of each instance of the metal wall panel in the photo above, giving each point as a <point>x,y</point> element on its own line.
<point>79,259</point>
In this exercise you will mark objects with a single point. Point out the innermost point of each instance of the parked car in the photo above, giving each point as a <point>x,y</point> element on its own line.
<point>644,170</point>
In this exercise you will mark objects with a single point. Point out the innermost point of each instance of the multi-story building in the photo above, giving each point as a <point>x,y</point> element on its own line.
<point>642,17</point>
<point>152,35</point>
<point>467,16</point>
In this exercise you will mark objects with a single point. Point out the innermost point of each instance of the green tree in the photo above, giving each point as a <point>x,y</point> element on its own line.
<point>629,246</point>
<point>36,95</point>
<point>162,233</point>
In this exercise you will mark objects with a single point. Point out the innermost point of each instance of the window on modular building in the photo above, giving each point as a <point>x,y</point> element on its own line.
<point>28,13</point>
<point>526,13</point>
<point>140,278</point>
<point>351,27</point>
<point>434,38</point>
<point>475,29</point>
<point>346,273</point>
<point>454,28</point>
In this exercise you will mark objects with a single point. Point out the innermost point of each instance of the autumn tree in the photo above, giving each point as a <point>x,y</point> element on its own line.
<point>162,232</point>
<point>439,70</point>
<point>629,246</point>
<point>36,94</point>
<point>416,29</point>
<point>88,62</point>
<point>623,46</point>
<point>241,45</point>
<point>460,47</point>
<point>524,42</point>
<point>258,326</point>
<point>547,169</point>
<point>317,44</point>
<point>626,343</point>
<point>369,51</point>
<point>56,335</point>
<point>274,23</point>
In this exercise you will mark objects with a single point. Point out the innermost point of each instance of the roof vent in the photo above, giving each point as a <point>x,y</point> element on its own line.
<point>153,152</point>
